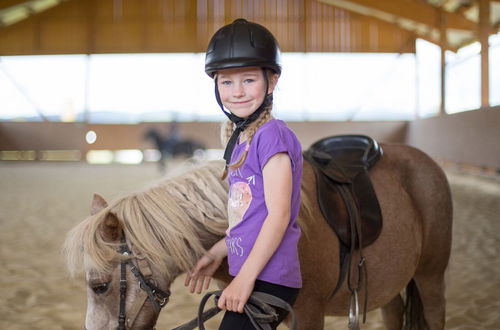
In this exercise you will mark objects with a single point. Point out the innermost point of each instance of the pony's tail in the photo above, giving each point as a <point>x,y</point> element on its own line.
<point>414,310</point>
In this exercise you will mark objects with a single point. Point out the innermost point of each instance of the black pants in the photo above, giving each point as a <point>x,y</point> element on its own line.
<point>240,321</point>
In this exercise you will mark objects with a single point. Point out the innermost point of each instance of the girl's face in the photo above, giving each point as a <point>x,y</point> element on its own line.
<point>242,90</point>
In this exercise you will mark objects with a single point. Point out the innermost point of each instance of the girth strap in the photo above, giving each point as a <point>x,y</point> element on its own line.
<point>258,309</point>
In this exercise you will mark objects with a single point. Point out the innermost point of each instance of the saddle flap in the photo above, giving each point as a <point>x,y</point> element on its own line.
<point>344,189</point>
<point>333,204</point>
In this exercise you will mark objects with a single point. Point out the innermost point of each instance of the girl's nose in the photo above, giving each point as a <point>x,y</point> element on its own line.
<point>238,90</point>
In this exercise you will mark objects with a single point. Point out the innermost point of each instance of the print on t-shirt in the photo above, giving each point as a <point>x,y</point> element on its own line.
<point>240,198</point>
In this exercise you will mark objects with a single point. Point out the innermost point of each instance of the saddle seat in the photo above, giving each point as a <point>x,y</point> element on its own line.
<point>345,193</point>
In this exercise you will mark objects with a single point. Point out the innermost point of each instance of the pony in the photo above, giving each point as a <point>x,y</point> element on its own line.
<point>170,225</point>
<point>172,146</point>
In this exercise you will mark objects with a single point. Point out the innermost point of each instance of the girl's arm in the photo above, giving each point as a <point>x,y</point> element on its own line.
<point>199,277</point>
<point>277,177</point>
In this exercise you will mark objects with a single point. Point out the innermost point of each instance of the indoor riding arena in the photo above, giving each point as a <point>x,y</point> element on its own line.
<point>110,97</point>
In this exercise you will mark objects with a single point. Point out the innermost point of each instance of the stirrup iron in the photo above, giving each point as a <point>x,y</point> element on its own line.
<point>354,311</point>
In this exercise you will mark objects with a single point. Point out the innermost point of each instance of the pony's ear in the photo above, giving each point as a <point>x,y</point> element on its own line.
<point>98,203</point>
<point>112,228</point>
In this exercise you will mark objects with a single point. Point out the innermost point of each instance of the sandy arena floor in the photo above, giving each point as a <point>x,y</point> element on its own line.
<point>40,202</point>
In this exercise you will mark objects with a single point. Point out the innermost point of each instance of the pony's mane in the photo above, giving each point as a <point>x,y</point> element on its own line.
<point>170,223</point>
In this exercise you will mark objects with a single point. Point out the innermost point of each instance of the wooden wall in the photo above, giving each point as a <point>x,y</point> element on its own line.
<point>149,26</point>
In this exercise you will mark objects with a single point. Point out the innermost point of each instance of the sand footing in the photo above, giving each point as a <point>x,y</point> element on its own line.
<point>40,202</point>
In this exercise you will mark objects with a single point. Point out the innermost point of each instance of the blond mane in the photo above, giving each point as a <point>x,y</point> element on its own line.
<point>171,224</point>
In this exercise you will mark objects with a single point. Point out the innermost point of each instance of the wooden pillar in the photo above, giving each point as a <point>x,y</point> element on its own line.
<point>91,13</point>
<point>484,32</point>
<point>443,43</point>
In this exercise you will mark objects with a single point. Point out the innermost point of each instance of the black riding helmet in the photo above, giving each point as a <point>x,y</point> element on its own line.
<point>242,44</point>
<point>238,45</point>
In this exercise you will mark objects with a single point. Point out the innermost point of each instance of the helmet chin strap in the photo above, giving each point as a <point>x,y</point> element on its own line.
<point>241,123</point>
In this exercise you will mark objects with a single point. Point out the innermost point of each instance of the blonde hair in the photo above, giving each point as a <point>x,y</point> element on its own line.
<point>227,130</point>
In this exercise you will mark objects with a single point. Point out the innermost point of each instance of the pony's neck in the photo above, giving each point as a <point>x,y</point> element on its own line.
<point>208,239</point>
<point>222,273</point>
<point>188,212</point>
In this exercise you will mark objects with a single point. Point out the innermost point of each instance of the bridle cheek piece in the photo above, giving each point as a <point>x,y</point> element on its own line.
<point>150,290</point>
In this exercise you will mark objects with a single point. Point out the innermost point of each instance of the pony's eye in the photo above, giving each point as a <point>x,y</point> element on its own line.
<point>100,288</point>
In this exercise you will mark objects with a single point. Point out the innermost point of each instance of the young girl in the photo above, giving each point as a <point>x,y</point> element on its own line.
<point>264,168</point>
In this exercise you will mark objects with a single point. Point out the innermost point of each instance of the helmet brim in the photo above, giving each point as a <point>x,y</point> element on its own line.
<point>236,63</point>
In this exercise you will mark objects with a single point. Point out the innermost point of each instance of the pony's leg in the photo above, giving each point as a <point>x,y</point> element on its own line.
<point>393,314</point>
<point>310,314</point>
<point>431,289</point>
<point>161,162</point>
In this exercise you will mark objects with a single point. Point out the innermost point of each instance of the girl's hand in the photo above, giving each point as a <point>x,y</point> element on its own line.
<point>236,295</point>
<point>199,277</point>
<point>202,272</point>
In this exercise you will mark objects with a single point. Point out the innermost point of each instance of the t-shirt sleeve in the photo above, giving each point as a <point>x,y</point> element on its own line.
<point>272,141</point>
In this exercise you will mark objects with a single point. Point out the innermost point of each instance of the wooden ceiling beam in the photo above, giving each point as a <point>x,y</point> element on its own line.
<point>416,11</point>
<point>10,3</point>
<point>21,10</point>
<point>421,31</point>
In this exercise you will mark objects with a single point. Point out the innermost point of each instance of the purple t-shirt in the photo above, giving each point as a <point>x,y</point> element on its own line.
<point>247,208</point>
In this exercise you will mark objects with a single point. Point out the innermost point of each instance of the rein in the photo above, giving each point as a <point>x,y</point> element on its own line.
<point>258,309</point>
<point>156,296</point>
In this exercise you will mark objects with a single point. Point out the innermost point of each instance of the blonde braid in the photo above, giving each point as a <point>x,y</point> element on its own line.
<point>264,117</point>
<point>226,131</point>
<point>228,128</point>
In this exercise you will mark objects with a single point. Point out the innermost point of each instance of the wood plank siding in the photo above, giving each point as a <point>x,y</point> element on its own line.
<point>157,26</point>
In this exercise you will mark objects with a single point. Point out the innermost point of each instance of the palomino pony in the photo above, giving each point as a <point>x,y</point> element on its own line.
<point>166,228</point>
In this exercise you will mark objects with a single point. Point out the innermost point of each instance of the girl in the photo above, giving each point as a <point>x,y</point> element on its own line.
<point>264,166</point>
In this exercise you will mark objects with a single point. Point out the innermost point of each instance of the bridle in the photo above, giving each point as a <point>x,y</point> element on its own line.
<point>143,274</point>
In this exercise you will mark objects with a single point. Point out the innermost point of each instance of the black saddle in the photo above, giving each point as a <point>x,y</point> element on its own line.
<point>345,193</point>
<point>349,204</point>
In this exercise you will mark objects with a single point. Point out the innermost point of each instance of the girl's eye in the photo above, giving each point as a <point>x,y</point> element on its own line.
<point>225,82</point>
<point>249,81</point>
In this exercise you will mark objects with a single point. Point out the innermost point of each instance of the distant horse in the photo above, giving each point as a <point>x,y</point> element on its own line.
<point>172,146</point>
<point>161,232</point>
